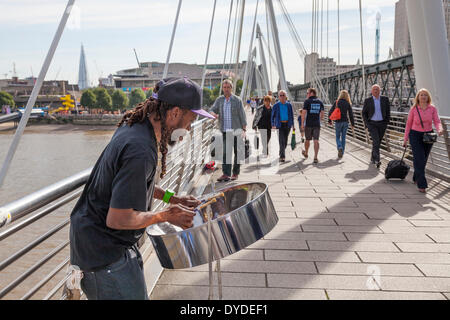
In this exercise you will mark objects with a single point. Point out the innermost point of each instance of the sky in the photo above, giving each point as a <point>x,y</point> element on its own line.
<point>111,29</point>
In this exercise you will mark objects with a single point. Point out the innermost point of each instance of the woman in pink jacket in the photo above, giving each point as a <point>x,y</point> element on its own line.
<point>420,120</point>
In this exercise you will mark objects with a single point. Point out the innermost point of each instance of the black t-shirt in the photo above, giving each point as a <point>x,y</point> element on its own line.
<point>122,178</point>
<point>313,106</point>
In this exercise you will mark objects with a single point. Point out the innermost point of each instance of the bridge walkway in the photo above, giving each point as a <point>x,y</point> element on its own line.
<point>344,233</point>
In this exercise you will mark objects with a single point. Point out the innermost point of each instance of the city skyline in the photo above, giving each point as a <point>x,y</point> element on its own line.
<point>109,34</point>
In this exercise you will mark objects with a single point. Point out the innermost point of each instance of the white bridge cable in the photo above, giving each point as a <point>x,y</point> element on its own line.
<point>233,41</point>
<point>166,66</point>
<point>301,49</point>
<point>35,92</point>
<point>238,48</point>
<point>268,39</point>
<point>226,47</point>
<point>362,52</point>
<point>207,49</point>
<point>248,64</point>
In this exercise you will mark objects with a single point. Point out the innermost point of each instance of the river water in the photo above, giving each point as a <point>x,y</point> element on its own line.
<point>46,154</point>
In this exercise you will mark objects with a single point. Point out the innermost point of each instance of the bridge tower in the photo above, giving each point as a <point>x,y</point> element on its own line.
<point>430,50</point>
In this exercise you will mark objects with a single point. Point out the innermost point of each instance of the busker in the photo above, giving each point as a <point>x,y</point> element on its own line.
<point>312,114</point>
<point>376,115</point>
<point>115,206</point>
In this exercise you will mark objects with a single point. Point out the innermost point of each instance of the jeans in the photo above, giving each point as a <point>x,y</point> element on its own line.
<point>377,129</point>
<point>121,280</point>
<point>237,149</point>
<point>283,135</point>
<point>421,152</point>
<point>341,134</point>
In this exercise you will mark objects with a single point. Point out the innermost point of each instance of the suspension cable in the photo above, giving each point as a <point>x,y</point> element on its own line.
<point>166,66</point>
<point>328,14</point>
<point>226,47</point>
<point>362,51</point>
<point>268,40</point>
<point>233,40</point>
<point>207,49</point>
<point>339,47</point>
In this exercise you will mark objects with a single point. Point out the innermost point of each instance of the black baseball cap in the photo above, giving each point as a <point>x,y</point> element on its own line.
<point>183,93</point>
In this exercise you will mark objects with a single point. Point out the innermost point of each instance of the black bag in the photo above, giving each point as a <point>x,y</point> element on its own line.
<point>428,137</point>
<point>247,148</point>
<point>397,169</point>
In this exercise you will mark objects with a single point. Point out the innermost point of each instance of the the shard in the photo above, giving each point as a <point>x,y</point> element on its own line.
<point>83,79</point>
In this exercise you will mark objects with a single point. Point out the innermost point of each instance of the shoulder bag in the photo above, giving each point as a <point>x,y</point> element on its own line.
<point>428,137</point>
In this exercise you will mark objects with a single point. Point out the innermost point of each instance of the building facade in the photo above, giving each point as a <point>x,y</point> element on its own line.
<point>325,67</point>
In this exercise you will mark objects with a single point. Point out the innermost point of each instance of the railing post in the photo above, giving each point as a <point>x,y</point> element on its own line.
<point>446,137</point>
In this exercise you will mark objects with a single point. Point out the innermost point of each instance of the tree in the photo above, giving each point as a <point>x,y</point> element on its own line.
<point>136,97</point>
<point>88,99</point>
<point>6,99</point>
<point>104,100</point>
<point>149,93</point>
<point>239,85</point>
<point>119,100</point>
<point>207,97</point>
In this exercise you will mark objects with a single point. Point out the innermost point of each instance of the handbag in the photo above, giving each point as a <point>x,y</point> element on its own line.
<point>247,148</point>
<point>428,137</point>
<point>293,140</point>
<point>336,115</point>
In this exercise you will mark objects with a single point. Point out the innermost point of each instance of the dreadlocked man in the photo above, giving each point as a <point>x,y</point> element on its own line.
<point>115,206</point>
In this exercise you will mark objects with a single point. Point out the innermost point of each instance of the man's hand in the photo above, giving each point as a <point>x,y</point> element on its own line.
<point>180,216</point>
<point>214,114</point>
<point>187,201</point>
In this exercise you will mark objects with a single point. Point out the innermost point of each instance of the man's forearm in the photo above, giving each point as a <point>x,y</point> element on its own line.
<point>159,194</point>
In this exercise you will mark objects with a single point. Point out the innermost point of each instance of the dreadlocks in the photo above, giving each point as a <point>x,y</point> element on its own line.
<point>141,112</point>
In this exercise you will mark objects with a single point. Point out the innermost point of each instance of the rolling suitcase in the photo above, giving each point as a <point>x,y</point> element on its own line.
<point>397,169</point>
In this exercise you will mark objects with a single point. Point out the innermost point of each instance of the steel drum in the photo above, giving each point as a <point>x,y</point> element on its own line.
<point>241,215</point>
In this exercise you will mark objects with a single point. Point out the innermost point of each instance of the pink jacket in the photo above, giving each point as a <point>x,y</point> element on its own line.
<point>429,116</point>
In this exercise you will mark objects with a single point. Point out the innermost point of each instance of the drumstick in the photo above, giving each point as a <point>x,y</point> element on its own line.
<point>218,195</point>
<point>204,205</point>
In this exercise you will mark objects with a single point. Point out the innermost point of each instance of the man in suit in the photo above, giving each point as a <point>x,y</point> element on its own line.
<point>376,115</point>
<point>233,122</point>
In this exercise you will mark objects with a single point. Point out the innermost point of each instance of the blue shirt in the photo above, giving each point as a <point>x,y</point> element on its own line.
<point>227,121</point>
<point>284,116</point>
<point>377,116</point>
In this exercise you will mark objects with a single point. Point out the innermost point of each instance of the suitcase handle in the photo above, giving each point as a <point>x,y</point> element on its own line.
<point>404,152</point>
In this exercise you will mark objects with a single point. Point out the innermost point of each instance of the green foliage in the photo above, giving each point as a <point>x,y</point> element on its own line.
<point>137,96</point>
<point>149,93</point>
<point>239,85</point>
<point>104,100</point>
<point>6,99</point>
<point>207,97</point>
<point>119,100</point>
<point>88,99</point>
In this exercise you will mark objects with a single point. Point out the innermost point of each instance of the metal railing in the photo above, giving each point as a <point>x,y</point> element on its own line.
<point>184,165</point>
<point>392,145</point>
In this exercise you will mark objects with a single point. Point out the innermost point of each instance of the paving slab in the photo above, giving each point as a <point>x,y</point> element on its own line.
<point>345,233</point>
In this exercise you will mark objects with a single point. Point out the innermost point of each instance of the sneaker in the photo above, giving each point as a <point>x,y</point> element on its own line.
<point>316,161</point>
<point>282,160</point>
<point>340,153</point>
<point>423,190</point>
<point>378,165</point>
<point>224,178</point>
<point>234,177</point>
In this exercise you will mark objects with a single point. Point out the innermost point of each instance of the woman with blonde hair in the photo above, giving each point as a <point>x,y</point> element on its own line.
<point>418,127</point>
<point>344,104</point>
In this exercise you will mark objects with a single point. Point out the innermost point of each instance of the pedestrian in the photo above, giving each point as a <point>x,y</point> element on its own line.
<point>344,104</point>
<point>269,93</point>
<point>283,120</point>
<point>233,123</point>
<point>376,115</point>
<point>419,123</point>
<point>302,132</point>
<point>263,122</point>
<point>115,207</point>
<point>253,105</point>
<point>312,114</point>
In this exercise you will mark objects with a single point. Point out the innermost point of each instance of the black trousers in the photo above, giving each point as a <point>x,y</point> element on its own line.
<point>283,135</point>
<point>377,129</point>
<point>421,152</point>
<point>233,146</point>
